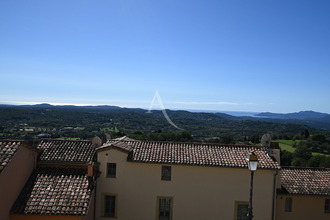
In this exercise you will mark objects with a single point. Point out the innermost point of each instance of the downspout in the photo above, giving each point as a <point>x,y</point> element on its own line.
<point>94,214</point>
<point>274,195</point>
<point>95,188</point>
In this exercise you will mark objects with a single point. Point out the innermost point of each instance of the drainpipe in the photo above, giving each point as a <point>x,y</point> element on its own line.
<point>94,214</point>
<point>274,195</point>
<point>95,188</point>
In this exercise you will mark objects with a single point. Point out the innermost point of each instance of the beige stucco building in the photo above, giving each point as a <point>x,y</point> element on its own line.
<point>17,160</point>
<point>159,180</point>
<point>63,184</point>
<point>305,194</point>
<point>154,180</point>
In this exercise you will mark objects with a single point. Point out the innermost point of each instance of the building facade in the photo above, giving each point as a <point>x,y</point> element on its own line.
<point>305,194</point>
<point>63,184</point>
<point>164,181</point>
<point>17,161</point>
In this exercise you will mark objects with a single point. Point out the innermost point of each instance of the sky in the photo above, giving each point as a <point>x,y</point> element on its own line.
<point>219,55</point>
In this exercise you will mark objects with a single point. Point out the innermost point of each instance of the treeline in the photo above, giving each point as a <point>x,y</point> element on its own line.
<point>313,152</point>
<point>86,123</point>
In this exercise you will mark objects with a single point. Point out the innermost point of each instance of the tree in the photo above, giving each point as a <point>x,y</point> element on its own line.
<point>315,161</point>
<point>325,162</point>
<point>286,158</point>
<point>305,134</point>
<point>185,136</point>
<point>318,137</point>
<point>298,162</point>
<point>227,139</point>
<point>302,151</point>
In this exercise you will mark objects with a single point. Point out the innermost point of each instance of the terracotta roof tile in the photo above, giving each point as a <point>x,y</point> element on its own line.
<point>66,151</point>
<point>124,138</point>
<point>192,153</point>
<point>119,144</point>
<point>56,191</point>
<point>7,152</point>
<point>306,181</point>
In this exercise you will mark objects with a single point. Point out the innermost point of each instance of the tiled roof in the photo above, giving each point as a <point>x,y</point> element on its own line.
<point>56,191</point>
<point>66,151</point>
<point>306,181</point>
<point>124,138</point>
<point>193,153</point>
<point>119,143</point>
<point>7,152</point>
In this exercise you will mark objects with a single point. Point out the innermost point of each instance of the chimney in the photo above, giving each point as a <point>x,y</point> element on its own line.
<point>275,152</point>
<point>90,169</point>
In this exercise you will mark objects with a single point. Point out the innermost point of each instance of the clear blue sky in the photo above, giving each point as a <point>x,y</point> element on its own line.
<point>237,55</point>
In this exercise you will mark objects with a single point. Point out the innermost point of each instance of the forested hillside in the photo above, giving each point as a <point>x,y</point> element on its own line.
<point>86,122</point>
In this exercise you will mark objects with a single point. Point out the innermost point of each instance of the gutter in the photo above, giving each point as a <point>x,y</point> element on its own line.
<point>274,194</point>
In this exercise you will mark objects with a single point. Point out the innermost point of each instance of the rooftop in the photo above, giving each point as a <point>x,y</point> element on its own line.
<point>305,181</point>
<point>191,153</point>
<point>66,151</point>
<point>7,152</point>
<point>56,191</point>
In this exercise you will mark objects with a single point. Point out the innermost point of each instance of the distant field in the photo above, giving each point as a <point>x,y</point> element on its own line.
<point>287,144</point>
<point>316,153</point>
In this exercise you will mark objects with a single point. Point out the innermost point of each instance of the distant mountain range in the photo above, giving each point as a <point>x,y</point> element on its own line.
<point>308,118</point>
<point>305,118</point>
<point>302,115</point>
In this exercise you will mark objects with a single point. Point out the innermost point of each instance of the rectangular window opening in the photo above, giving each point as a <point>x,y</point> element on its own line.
<point>242,210</point>
<point>327,206</point>
<point>288,204</point>
<point>111,170</point>
<point>109,206</point>
<point>166,172</point>
<point>165,208</point>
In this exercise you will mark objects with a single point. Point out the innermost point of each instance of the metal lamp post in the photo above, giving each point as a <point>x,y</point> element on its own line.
<point>252,164</point>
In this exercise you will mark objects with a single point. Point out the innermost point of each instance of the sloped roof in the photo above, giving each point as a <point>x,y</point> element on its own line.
<point>192,153</point>
<point>305,181</point>
<point>123,144</point>
<point>124,138</point>
<point>66,151</point>
<point>7,151</point>
<point>56,191</point>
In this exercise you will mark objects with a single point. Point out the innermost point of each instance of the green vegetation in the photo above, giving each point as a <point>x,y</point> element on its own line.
<point>313,152</point>
<point>85,123</point>
<point>288,145</point>
<point>298,147</point>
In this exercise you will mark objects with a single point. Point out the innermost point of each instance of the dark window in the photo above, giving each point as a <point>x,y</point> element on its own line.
<point>242,211</point>
<point>166,172</point>
<point>164,209</point>
<point>111,170</point>
<point>288,204</point>
<point>109,206</point>
<point>327,206</point>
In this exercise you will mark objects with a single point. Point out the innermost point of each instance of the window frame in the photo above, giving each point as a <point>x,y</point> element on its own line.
<point>237,204</point>
<point>111,171</point>
<point>166,173</point>
<point>288,204</point>
<point>103,214</point>
<point>158,206</point>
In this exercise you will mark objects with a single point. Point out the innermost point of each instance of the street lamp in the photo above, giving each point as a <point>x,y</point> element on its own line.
<point>252,164</point>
